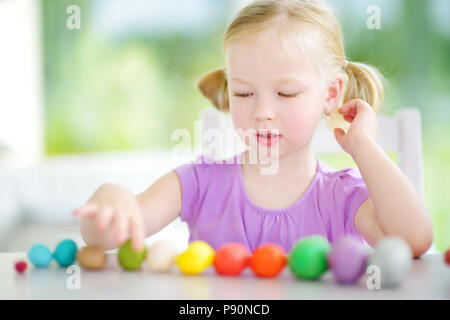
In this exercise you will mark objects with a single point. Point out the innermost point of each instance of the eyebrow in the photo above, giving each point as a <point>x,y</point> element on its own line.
<point>280,80</point>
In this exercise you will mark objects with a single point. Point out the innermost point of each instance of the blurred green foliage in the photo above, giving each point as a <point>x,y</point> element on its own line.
<point>124,94</point>
<point>132,92</point>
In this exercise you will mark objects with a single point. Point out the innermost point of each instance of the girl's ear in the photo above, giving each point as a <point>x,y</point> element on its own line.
<point>334,92</point>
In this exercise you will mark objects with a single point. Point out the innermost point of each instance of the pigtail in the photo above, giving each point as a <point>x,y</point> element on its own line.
<point>214,86</point>
<point>364,82</point>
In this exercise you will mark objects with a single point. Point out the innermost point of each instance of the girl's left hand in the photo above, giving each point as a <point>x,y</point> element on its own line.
<point>363,125</point>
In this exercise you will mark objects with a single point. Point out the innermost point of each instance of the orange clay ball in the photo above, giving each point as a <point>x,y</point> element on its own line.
<point>268,260</point>
<point>231,259</point>
<point>447,257</point>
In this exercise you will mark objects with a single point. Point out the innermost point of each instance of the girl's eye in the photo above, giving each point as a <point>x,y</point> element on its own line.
<point>242,95</point>
<point>286,95</point>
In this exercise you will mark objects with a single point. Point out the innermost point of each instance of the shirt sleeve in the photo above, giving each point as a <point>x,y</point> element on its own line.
<point>350,193</point>
<point>190,175</point>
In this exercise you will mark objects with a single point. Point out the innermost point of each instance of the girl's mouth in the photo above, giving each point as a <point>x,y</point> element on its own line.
<point>267,138</point>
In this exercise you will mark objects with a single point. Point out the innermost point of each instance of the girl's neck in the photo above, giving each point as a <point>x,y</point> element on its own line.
<point>292,167</point>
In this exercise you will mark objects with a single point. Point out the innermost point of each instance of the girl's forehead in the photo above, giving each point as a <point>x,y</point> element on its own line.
<point>266,58</point>
<point>270,50</point>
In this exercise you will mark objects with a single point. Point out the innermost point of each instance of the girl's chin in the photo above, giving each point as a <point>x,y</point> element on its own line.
<point>263,153</point>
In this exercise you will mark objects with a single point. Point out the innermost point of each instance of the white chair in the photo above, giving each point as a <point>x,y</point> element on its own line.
<point>401,133</point>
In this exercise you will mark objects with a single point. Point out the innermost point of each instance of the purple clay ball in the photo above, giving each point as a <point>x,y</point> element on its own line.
<point>347,259</point>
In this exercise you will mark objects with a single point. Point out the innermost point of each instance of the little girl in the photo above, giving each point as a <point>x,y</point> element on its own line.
<point>285,70</point>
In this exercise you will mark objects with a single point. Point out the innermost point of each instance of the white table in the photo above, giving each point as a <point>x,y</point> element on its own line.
<point>429,278</point>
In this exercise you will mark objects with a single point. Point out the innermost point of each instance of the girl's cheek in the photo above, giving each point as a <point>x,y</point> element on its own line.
<point>239,117</point>
<point>300,125</point>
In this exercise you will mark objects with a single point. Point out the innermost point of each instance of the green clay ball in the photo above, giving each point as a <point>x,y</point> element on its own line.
<point>308,258</point>
<point>130,259</point>
<point>65,253</point>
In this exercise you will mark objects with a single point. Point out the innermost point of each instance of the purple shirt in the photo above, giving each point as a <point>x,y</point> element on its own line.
<point>218,210</point>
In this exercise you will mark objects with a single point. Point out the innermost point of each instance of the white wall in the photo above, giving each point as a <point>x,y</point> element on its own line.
<point>36,202</point>
<point>21,129</point>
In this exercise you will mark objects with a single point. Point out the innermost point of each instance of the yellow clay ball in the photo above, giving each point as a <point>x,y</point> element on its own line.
<point>198,256</point>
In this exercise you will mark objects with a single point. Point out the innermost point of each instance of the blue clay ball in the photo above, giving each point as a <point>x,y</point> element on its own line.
<point>65,253</point>
<point>40,255</point>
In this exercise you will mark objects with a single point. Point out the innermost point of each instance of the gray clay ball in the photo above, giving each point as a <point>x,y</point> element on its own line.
<point>393,256</point>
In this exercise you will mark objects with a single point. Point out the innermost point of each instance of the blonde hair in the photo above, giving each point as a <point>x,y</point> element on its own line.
<point>291,16</point>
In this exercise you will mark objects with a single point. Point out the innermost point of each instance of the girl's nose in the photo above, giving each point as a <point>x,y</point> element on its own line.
<point>264,113</point>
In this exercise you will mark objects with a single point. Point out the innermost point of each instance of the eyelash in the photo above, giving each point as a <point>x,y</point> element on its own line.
<point>281,94</point>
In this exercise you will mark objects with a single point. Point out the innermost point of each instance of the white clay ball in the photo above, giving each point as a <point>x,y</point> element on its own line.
<point>161,256</point>
<point>393,256</point>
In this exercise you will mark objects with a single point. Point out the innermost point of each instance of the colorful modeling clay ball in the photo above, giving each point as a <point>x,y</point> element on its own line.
<point>447,257</point>
<point>65,252</point>
<point>161,256</point>
<point>268,260</point>
<point>308,258</point>
<point>130,259</point>
<point>40,255</point>
<point>92,257</point>
<point>198,256</point>
<point>231,259</point>
<point>347,259</point>
<point>393,256</point>
<point>20,266</point>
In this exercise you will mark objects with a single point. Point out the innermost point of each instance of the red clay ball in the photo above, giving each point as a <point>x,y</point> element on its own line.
<point>20,266</point>
<point>268,260</point>
<point>447,257</point>
<point>231,259</point>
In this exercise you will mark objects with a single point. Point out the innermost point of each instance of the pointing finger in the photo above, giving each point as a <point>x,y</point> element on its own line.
<point>86,210</point>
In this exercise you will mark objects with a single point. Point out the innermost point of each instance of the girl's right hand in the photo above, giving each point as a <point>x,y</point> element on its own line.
<point>116,207</point>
